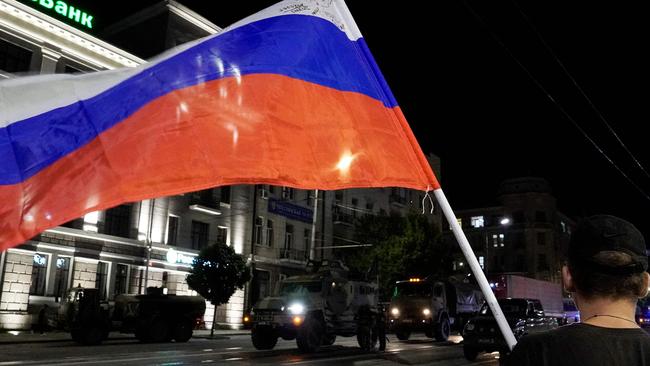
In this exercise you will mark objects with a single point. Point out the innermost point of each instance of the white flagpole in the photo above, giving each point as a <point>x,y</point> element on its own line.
<point>476,269</point>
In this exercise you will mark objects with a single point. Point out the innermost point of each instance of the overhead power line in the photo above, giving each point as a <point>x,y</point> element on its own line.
<point>575,83</point>
<point>558,105</point>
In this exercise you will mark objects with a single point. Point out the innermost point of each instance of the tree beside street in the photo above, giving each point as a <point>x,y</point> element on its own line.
<point>217,272</point>
<point>402,247</point>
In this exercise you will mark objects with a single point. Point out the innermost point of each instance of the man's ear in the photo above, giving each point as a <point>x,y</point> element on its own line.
<point>567,280</point>
<point>646,283</point>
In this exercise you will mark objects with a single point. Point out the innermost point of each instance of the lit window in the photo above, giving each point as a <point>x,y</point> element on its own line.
<point>39,273</point>
<point>478,221</point>
<point>481,261</point>
<point>501,240</point>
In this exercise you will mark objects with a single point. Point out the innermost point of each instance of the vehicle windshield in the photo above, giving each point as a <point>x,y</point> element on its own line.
<point>300,288</point>
<point>510,307</point>
<point>412,289</point>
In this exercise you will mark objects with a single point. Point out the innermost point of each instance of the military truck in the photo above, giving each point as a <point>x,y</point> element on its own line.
<point>154,317</point>
<point>317,307</point>
<point>432,306</point>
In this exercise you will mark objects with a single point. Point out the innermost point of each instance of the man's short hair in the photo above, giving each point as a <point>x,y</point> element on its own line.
<point>607,258</point>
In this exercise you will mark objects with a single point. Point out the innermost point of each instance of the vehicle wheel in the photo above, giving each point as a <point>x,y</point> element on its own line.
<point>365,338</point>
<point>158,330</point>
<point>442,330</point>
<point>470,353</point>
<point>329,339</point>
<point>183,331</point>
<point>310,335</point>
<point>92,336</point>
<point>403,334</point>
<point>263,337</point>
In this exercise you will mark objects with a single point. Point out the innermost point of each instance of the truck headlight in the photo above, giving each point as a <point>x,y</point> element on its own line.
<point>394,311</point>
<point>296,308</point>
<point>426,312</point>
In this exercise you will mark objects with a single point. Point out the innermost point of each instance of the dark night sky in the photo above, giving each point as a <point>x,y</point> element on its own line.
<point>470,103</point>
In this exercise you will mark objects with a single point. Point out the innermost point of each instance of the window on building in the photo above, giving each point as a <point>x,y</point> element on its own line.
<point>271,189</point>
<point>307,237</point>
<point>541,238</point>
<point>269,233</point>
<point>117,221</point>
<point>121,275</point>
<point>222,235</point>
<point>370,206</point>
<point>101,279</point>
<point>14,58</point>
<point>540,216</point>
<point>287,193</point>
<point>61,276</point>
<point>338,196</point>
<point>481,262</point>
<point>199,234</point>
<point>259,222</point>
<point>172,230</point>
<point>288,237</point>
<point>477,221</point>
<point>39,274</point>
<point>498,240</point>
<point>225,194</point>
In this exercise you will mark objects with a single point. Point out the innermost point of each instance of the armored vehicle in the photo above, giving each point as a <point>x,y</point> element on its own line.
<point>315,308</point>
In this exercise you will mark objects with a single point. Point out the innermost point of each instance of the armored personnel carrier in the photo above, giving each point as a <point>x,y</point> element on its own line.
<point>317,307</point>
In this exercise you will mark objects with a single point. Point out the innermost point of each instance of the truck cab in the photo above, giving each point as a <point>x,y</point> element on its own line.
<point>420,305</point>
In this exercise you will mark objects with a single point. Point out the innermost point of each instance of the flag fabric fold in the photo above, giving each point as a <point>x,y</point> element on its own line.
<point>290,96</point>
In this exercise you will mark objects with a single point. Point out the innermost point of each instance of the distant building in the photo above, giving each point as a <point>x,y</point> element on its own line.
<point>270,226</point>
<point>525,233</point>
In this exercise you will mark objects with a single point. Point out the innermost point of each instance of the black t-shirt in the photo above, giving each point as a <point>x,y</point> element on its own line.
<point>583,344</point>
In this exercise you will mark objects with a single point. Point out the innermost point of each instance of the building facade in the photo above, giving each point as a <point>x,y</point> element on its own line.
<point>137,245</point>
<point>525,233</point>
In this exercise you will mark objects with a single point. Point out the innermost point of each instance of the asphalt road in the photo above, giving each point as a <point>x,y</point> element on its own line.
<point>235,350</point>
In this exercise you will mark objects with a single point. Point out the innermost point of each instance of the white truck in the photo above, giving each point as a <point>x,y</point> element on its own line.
<point>548,293</point>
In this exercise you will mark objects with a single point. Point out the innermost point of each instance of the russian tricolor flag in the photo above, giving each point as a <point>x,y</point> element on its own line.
<point>289,96</point>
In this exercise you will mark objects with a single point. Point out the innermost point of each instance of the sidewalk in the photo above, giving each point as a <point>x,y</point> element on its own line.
<point>26,336</point>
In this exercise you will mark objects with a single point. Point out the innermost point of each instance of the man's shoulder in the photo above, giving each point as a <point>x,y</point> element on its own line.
<point>575,332</point>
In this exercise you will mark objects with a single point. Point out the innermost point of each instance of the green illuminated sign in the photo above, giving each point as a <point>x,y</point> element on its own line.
<point>69,11</point>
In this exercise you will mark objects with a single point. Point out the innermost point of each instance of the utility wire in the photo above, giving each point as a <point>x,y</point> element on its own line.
<point>575,83</point>
<point>559,106</point>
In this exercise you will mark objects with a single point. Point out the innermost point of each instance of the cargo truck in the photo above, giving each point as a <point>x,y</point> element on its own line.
<point>154,317</point>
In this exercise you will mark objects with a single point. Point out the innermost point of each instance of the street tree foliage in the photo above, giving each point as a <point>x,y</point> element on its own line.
<point>403,247</point>
<point>217,272</point>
